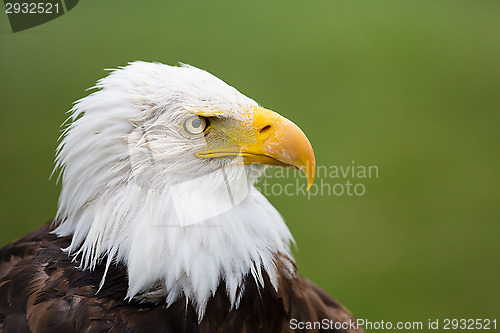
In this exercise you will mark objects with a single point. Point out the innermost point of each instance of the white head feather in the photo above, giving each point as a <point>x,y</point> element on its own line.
<point>133,191</point>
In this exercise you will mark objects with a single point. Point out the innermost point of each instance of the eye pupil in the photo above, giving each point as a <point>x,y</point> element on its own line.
<point>196,123</point>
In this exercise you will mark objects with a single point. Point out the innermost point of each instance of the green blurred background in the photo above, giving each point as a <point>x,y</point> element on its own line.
<point>411,87</point>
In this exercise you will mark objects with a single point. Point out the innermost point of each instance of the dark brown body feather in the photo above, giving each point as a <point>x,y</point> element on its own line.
<point>41,290</point>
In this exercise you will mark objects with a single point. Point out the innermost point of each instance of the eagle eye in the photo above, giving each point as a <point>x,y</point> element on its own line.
<point>195,125</point>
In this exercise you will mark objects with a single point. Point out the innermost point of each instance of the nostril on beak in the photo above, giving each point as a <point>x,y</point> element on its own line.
<point>264,130</point>
<point>264,133</point>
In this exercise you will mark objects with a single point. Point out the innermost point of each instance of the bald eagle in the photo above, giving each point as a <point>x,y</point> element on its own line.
<point>159,226</point>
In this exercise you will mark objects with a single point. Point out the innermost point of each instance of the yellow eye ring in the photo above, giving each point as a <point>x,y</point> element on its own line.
<point>195,125</point>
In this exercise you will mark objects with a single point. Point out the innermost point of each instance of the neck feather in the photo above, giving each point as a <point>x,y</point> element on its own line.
<point>180,240</point>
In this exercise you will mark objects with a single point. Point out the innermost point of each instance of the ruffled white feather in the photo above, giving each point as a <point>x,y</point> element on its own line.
<point>133,191</point>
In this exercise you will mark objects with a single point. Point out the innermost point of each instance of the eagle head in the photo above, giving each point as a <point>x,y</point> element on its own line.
<point>158,167</point>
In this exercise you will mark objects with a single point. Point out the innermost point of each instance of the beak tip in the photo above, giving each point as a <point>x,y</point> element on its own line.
<point>310,171</point>
<point>309,184</point>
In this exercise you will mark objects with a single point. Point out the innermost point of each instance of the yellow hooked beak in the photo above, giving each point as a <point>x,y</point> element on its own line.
<point>271,139</point>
